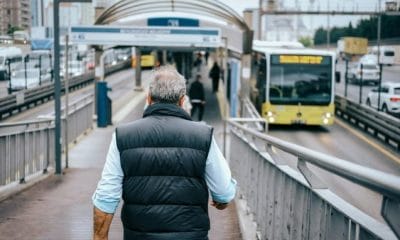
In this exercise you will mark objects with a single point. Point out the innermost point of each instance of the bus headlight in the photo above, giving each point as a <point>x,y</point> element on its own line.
<point>328,115</point>
<point>326,121</point>
<point>271,119</point>
<point>269,114</point>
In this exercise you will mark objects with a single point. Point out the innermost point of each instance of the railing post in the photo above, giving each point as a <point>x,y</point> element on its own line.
<point>379,86</point>
<point>40,70</point>
<point>9,76</point>
<point>26,77</point>
<point>346,79</point>
<point>361,85</point>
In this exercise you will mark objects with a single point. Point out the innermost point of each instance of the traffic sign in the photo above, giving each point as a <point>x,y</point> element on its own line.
<point>146,36</point>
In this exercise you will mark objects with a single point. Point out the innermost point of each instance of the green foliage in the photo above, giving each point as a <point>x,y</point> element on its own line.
<point>306,41</point>
<point>365,28</point>
<point>12,29</point>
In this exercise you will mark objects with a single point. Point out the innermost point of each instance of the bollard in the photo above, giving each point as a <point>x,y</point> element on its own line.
<point>103,103</point>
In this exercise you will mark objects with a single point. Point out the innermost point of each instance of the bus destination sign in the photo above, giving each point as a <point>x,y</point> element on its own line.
<point>300,59</point>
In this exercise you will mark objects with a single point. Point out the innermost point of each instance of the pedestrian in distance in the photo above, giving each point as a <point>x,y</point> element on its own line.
<point>206,55</point>
<point>197,97</point>
<point>215,73</point>
<point>164,166</point>
<point>197,63</point>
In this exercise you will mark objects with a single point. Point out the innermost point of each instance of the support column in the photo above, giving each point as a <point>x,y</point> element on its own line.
<point>245,77</point>
<point>138,71</point>
<point>97,76</point>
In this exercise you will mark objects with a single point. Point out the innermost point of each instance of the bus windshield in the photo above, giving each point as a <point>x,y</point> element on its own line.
<point>302,79</point>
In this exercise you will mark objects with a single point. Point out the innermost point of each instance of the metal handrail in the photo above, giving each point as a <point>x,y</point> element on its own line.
<point>254,113</point>
<point>29,122</point>
<point>382,182</point>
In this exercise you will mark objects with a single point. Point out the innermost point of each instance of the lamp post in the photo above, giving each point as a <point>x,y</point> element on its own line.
<point>226,106</point>
<point>378,43</point>
<point>57,82</point>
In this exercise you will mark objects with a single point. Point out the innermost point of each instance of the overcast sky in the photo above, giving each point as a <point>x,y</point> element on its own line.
<point>314,22</point>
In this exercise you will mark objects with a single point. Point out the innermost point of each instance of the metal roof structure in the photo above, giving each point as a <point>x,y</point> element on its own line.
<point>209,8</point>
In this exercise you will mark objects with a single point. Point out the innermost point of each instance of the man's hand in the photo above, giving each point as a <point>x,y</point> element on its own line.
<point>101,224</point>
<point>219,206</point>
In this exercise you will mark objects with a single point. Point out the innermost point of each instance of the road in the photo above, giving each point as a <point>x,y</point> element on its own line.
<point>389,74</point>
<point>340,141</point>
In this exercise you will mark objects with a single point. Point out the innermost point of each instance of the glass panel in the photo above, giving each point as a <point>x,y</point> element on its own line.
<point>396,91</point>
<point>370,67</point>
<point>309,84</point>
<point>389,53</point>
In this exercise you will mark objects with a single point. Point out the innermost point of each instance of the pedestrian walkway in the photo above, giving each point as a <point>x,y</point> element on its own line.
<point>60,207</point>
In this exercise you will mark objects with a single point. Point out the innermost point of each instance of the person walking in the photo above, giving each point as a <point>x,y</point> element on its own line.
<point>206,55</point>
<point>164,166</point>
<point>197,97</point>
<point>214,74</point>
<point>198,62</point>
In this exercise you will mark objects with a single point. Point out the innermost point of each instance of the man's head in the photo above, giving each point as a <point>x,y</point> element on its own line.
<point>167,86</point>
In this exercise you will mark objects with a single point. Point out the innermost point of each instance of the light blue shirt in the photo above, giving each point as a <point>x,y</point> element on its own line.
<point>109,189</point>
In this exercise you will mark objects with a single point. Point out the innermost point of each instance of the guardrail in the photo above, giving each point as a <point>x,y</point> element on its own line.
<point>288,204</point>
<point>381,125</point>
<point>21,100</point>
<point>28,147</point>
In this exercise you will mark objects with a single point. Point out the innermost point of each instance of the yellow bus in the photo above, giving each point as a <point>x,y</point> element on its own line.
<point>147,59</point>
<point>293,85</point>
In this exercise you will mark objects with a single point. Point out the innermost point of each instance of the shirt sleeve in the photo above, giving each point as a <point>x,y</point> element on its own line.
<point>109,189</point>
<point>218,176</point>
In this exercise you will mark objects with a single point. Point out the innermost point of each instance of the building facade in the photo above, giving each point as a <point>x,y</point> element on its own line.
<point>14,14</point>
<point>37,13</point>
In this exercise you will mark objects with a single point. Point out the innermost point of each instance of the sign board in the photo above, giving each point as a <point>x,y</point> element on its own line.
<point>173,22</point>
<point>146,36</point>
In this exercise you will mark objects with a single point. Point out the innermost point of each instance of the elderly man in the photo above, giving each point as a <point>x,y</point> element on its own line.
<point>164,166</point>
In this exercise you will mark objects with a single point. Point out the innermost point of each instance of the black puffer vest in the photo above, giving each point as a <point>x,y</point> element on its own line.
<point>163,157</point>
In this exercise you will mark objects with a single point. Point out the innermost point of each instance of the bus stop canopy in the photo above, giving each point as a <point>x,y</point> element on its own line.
<point>209,8</point>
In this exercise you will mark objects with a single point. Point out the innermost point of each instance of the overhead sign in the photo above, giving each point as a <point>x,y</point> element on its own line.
<point>146,36</point>
<point>173,22</point>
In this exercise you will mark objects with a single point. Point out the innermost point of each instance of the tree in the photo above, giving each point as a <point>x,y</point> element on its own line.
<point>365,28</point>
<point>320,36</point>
<point>306,41</point>
<point>11,29</point>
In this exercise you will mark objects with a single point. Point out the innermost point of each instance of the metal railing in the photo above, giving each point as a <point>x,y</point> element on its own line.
<point>18,101</point>
<point>288,204</point>
<point>28,147</point>
<point>25,148</point>
<point>379,124</point>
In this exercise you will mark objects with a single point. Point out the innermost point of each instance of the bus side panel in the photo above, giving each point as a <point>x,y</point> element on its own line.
<point>147,60</point>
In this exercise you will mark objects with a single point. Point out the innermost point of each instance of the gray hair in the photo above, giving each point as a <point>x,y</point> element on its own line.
<point>167,85</point>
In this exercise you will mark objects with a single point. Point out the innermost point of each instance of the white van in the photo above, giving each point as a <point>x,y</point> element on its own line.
<point>9,56</point>
<point>387,54</point>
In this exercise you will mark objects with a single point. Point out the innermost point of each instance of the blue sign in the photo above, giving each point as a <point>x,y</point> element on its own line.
<point>173,22</point>
<point>42,44</point>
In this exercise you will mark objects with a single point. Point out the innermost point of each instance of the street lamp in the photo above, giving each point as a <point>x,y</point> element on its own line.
<point>226,106</point>
<point>57,82</point>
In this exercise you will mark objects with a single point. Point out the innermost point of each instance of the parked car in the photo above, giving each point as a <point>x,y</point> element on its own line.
<point>75,68</point>
<point>25,80</point>
<point>386,54</point>
<point>389,99</point>
<point>370,71</point>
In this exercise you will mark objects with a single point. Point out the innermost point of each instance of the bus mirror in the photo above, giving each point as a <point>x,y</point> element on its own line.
<point>337,76</point>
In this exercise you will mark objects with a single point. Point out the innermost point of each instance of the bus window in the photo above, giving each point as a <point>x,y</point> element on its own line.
<point>305,82</point>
